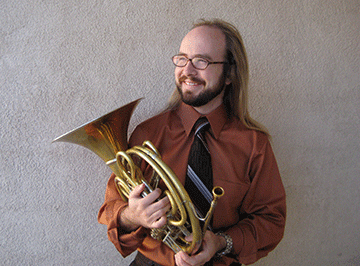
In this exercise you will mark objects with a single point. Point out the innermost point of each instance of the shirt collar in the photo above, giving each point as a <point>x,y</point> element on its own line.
<point>189,116</point>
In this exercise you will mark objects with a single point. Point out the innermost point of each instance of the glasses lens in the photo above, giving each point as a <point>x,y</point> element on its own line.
<point>200,63</point>
<point>179,60</point>
<point>197,62</point>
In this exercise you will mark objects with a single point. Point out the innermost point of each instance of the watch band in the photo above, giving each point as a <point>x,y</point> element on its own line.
<point>229,244</point>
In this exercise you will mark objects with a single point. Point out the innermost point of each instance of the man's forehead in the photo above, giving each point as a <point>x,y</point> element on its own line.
<point>204,40</point>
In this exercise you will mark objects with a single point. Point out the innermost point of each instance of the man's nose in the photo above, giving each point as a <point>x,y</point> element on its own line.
<point>189,69</point>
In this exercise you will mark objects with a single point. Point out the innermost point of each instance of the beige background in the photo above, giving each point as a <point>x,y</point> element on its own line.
<point>63,63</point>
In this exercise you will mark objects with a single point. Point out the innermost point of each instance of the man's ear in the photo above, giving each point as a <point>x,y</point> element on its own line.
<point>229,73</point>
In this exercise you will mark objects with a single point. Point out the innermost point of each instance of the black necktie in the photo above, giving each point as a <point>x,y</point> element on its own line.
<point>199,180</point>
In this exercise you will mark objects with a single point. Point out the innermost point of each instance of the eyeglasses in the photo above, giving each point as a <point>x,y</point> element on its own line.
<point>197,62</point>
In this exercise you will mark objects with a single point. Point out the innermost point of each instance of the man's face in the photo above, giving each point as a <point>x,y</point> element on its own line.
<point>199,87</point>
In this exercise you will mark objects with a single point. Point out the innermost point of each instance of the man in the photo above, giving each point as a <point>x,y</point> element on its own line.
<point>211,76</point>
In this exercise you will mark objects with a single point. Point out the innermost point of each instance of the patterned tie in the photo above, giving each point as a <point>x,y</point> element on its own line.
<point>199,180</point>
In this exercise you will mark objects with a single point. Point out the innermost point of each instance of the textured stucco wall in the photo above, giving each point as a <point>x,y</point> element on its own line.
<point>63,63</point>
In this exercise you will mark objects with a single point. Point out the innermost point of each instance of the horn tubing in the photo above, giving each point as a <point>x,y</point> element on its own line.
<point>217,192</point>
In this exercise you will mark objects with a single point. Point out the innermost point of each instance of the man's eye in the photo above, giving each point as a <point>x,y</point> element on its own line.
<point>200,60</point>
<point>200,63</point>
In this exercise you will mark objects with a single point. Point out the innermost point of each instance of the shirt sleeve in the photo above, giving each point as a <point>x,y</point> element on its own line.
<point>125,242</point>
<point>263,210</point>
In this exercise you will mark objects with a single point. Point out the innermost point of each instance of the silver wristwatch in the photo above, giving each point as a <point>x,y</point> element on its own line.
<point>229,244</point>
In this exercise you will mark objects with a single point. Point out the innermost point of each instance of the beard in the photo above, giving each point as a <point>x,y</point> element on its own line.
<point>205,96</point>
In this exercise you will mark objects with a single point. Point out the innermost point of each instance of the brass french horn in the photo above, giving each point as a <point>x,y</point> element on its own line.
<point>107,137</point>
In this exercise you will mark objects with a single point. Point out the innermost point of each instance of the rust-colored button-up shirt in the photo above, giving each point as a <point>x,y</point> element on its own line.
<point>252,211</point>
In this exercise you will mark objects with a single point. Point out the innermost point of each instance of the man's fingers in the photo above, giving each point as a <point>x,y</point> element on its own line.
<point>152,197</point>
<point>164,203</point>
<point>159,223</point>
<point>157,212</point>
<point>179,259</point>
<point>136,192</point>
<point>183,259</point>
<point>148,210</point>
<point>189,238</point>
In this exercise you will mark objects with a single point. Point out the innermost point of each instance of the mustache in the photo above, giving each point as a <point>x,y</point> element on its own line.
<point>193,79</point>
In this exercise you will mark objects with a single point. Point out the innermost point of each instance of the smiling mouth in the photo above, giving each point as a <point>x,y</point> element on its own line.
<point>189,83</point>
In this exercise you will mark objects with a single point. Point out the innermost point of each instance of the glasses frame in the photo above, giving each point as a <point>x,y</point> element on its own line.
<point>188,59</point>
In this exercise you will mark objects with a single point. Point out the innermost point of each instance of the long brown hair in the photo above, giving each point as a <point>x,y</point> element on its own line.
<point>236,93</point>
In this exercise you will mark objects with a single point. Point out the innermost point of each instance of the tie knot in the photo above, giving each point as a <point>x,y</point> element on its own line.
<point>201,125</point>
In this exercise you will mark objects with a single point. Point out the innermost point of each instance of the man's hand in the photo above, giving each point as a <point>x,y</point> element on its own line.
<point>146,211</point>
<point>210,245</point>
